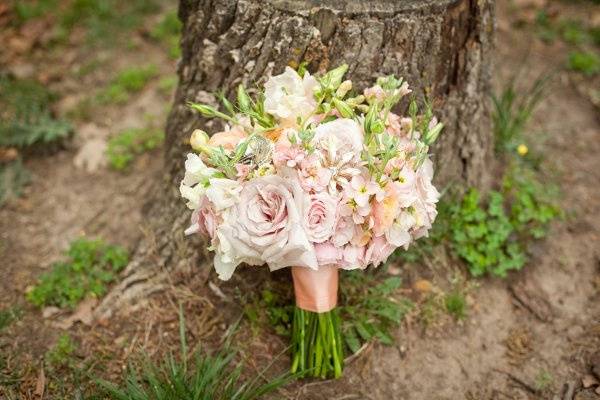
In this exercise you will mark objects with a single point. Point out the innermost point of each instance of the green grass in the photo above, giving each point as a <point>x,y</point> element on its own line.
<point>168,32</point>
<point>587,63</point>
<point>204,376</point>
<point>25,116</point>
<point>371,308</point>
<point>512,110</point>
<point>13,178</point>
<point>128,144</point>
<point>105,22</point>
<point>60,355</point>
<point>456,304</point>
<point>127,82</point>
<point>88,268</point>
<point>26,10</point>
<point>8,316</point>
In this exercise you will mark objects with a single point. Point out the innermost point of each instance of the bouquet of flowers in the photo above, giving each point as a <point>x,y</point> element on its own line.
<point>312,175</point>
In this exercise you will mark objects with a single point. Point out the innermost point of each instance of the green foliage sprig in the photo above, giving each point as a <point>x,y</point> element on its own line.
<point>89,267</point>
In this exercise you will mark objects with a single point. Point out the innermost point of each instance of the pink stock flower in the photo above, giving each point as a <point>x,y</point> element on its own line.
<point>374,93</point>
<point>313,176</point>
<point>319,219</point>
<point>378,251</point>
<point>288,155</point>
<point>362,235</point>
<point>242,171</point>
<point>385,211</point>
<point>398,126</point>
<point>361,190</point>
<point>344,231</point>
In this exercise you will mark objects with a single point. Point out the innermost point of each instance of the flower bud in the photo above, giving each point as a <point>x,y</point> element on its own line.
<point>343,89</point>
<point>344,109</point>
<point>199,140</point>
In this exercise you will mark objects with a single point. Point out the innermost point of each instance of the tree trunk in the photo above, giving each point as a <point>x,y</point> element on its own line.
<point>442,47</point>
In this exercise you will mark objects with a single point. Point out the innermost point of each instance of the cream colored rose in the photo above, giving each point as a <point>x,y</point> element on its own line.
<point>288,96</point>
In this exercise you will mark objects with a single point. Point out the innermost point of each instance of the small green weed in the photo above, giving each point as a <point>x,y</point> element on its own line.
<point>8,316</point>
<point>27,10</point>
<point>493,238</point>
<point>60,355</point>
<point>25,117</point>
<point>90,266</point>
<point>543,380</point>
<point>126,83</point>
<point>483,236</point>
<point>371,308</point>
<point>167,84</point>
<point>587,63</point>
<point>512,110</point>
<point>105,21</point>
<point>124,147</point>
<point>456,304</point>
<point>203,377</point>
<point>168,31</point>
<point>13,178</point>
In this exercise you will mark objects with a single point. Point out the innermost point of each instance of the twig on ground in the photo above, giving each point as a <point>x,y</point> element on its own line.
<point>531,389</point>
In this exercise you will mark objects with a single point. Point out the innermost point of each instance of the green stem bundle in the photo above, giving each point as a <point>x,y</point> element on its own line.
<point>317,344</point>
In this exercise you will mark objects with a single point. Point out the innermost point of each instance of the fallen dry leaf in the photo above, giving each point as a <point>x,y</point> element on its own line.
<point>83,313</point>
<point>588,381</point>
<point>40,385</point>
<point>50,311</point>
<point>91,156</point>
<point>423,286</point>
<point>8,154</point>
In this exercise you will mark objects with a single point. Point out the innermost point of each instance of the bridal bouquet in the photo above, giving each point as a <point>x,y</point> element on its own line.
<point>310,174</point>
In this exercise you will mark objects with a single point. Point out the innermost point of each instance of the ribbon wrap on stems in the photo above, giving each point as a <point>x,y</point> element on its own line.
<point>316,291</point>
<point>316,330</point>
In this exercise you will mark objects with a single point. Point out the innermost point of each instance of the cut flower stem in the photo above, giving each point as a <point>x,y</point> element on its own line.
<point>317,344</point>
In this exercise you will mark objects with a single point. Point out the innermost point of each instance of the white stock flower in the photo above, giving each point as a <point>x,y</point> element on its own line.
<point>223,193</point>
<point>193,185</point>
<point>288,96</point>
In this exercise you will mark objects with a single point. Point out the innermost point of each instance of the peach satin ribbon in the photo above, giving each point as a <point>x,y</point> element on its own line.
<point>316,291</point>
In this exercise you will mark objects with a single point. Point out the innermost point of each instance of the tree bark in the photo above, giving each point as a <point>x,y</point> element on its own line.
<point>442,47</point>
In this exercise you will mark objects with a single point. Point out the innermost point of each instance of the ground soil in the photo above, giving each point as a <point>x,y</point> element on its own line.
<point>531,336</point>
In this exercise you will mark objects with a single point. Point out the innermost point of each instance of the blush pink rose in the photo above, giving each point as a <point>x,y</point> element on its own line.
<point>328,254</point>
<point>228,139</point>
<point>320,217</point>
<point>268,226</point>
<point>353,257</point>
<point>204,219</point>
<point>378,251</point>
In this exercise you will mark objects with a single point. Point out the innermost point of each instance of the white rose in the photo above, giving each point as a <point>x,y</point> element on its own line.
<point>342,137</point>
<point>288,96</point>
